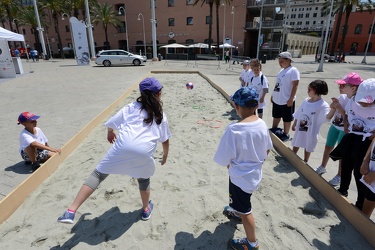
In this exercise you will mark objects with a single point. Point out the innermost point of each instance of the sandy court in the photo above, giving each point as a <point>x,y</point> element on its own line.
<point>189,193</point>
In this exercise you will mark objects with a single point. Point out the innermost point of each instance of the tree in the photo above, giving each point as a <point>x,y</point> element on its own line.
<point>57,8</point>
<point>210,3</point>
<point>103,13</point>
<point>27,17</point>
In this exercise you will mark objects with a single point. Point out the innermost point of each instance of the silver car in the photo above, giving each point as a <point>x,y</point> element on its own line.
<point>118,57</point>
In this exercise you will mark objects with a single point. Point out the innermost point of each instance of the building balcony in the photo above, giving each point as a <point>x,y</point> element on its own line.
<point>268,24</point>
<point>270,45</point>
<point>274,3</point>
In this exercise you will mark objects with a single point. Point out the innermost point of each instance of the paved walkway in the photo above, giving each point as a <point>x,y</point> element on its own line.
<point>68,97</point>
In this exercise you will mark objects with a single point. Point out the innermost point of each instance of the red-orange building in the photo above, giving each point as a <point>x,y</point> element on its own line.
<point>358,32</point>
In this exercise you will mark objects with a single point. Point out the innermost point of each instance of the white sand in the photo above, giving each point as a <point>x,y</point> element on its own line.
<point>189,193</point>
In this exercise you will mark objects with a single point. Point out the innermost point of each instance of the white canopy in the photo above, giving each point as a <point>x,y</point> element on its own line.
<point>226,45</point>
<point>173,45</point>
<point>11,36</point>
<point>200,45</point>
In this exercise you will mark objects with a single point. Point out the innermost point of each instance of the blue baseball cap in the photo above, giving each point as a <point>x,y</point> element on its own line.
<point>27,116</point>
<point>246,97</point>
<point>151,84</point>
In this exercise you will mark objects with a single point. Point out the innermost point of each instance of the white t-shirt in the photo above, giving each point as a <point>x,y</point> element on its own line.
<point>338,119</point>
<point>371,168</point>
<point>133,151</point>
<point>256,82</point>
<point>244,147</point>
<point>361,120</point>
<point>245,77</point>
<point>310,116</point>
<point>26,138</point>
<point>283,87</point>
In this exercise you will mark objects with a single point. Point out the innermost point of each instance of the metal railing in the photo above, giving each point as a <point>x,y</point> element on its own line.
<point>204,57</point>
<point>266,2</point>
<point>265,24</point>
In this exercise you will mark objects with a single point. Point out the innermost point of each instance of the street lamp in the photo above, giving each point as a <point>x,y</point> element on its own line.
<point>320,68</point>
<point>144,32</point>
<point>153,25</point>
<point>260,28</point>
<point>89,27</point>
<point>126,26</point>
<point>231,48</point>
<point>39,29</point>
<point>225,10</point>
<point>368,41</point>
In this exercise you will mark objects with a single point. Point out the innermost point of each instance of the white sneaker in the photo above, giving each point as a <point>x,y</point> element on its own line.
<point>335,180</point>
<point>320,170</point>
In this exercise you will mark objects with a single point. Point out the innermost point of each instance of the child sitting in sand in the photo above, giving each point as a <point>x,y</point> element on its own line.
<point>309,117</point>
<point>141,125</point>
<point>243,148</point>
<point>34,148</point>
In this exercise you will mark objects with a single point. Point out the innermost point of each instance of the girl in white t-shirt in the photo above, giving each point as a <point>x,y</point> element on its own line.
<point>260,83</point>
<point>244,76</point>
<point>309,117</point>
<point>140,126</point>
<point>359,126</point>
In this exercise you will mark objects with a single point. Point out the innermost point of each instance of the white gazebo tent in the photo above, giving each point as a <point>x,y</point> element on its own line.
<point>12,36</point>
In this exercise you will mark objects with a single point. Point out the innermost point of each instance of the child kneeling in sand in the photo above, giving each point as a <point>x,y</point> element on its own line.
<point>243,149</point>
<point>34,148</point>
<point>141,125</point>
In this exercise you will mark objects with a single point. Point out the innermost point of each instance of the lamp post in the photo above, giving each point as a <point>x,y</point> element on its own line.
<point>320,68</point>
<point>231,48</point>
<point>144,32</point>
<point>89,27</point>
<point>39,29</point>
<point>126,26</point>
<point>368,41</point>
<point>153,25</point>
<point>225,10</point>
<point>260,29</point>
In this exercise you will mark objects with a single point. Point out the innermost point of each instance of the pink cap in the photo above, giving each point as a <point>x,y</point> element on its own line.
<point>351,78</point>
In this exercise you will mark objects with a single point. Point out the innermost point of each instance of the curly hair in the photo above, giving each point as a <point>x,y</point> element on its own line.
<point>153,106</point>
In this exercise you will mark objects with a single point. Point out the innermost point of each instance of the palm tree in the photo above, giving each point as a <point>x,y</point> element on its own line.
<point>27,17</point>
<point>103,13</point>
<point>211,4</point>
<point>76,5</point>
<point>3,15</point>
<point>339,7</point>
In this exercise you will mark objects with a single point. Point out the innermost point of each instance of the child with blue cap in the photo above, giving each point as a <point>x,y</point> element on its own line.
<point>242,149</point>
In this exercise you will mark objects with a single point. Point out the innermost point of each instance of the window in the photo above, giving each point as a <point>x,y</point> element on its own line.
<point>67,29</point>
<point>358,29</point>
<point>307,15</point>
<point>373,29</point>
<point>190,2</point>
<point>343,30</point>
<point>300,15</point>
<point>170,21</point>
<point>293,16</point>
<point>189,41</point>
<point>24,31</point>
<point>120,9</point>
<point>170,3</point>
<point>121,29</point>
<point>170,41</point>
<point>315,15</point>
<point>307,22</point>
<point>189,21</point>
<point>208,19</point>
<point>314,22</point>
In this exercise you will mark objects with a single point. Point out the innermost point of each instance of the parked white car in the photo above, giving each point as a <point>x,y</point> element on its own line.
<point>118,57</point>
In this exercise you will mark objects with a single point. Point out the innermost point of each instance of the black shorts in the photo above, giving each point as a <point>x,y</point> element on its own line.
<point>238,199</point>
<point>283,111</point>
<point>369,195</point>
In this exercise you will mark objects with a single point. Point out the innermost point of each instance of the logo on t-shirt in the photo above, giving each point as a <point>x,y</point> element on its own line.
<point>358,125</point>
<point>304,123</point>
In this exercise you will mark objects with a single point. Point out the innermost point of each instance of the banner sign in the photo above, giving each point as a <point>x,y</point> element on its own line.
<point>6,63</point>
<point>81,46</point>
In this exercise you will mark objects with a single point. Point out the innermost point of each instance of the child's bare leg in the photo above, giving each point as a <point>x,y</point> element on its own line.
<point>327,151</point>
<point>295,149</point>
<point>307,156</point>
<point>368,207</point>
<point>249,226</point>
<point>145,197</point>
<point>287,126</point>
<point>82,195</point>
<point>276,122</point>
<point>31,152</point>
